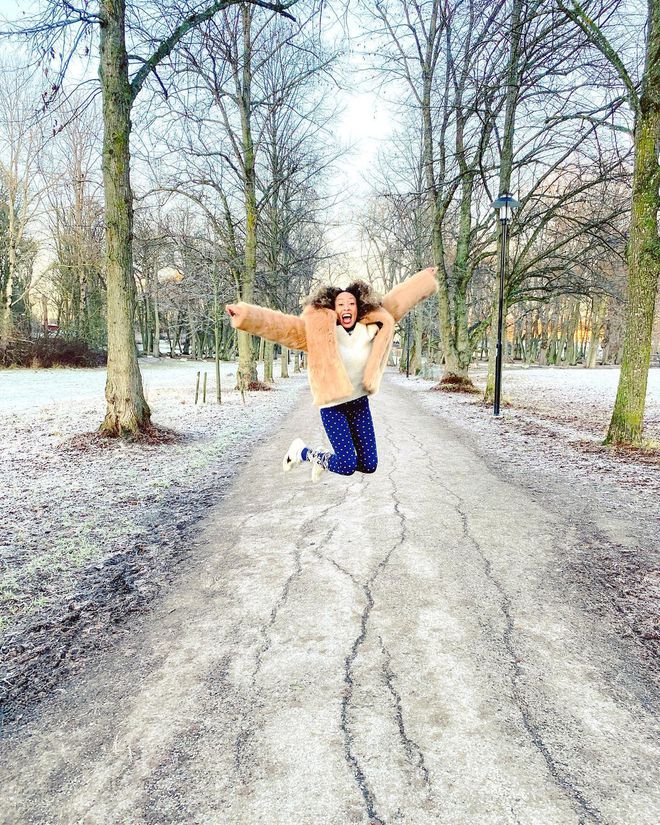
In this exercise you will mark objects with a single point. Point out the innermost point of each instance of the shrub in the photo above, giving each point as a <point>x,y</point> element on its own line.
<point>50,352</point>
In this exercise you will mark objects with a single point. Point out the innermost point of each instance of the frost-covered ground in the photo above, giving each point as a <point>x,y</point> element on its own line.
<point>91,532</point>
<point>580,398</point>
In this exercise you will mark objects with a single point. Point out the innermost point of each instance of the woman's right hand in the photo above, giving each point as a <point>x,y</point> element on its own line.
<point>236,314</point>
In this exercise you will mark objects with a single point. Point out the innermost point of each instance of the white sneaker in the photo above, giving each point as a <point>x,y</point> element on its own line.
<point>293,455</point>
<point>319,466</point>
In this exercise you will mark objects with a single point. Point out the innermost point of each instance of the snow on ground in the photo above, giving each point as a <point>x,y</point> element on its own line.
<point>29,390</point>
<point>575,396</point>
<point>84,525</point>
<point>578,397</point>
<point>63,508</point>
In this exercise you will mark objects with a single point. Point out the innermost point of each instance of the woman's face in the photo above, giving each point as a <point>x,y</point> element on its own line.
<point>346,309</point>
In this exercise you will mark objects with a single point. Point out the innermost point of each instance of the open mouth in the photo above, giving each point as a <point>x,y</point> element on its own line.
<point>346,318</point>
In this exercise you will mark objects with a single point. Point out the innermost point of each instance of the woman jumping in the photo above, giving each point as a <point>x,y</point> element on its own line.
<point>347,334</point>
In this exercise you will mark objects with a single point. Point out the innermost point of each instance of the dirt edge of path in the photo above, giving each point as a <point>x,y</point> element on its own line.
<point>41,652</point>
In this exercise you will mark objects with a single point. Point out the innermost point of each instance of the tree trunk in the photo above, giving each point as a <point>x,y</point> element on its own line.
<point>627,421</point>
<point>544,343</point>
<point>155,349</point>
<point>284,362</point>
<point>268,362</point>
<point>146,335</point>
<point>217,329</point>
<point>530,337</point>
<point>192,338</point>
<point>247,368</point>
<point>418,333</point>
<point>7,321</point>
<point>643,261</point>
<point>462,349</point>
<point>597,317</point>
<point>571,335</point>
<point>489,393</point>
<point>414,363</point>
<point>296,361</point>
<point>127,410</point>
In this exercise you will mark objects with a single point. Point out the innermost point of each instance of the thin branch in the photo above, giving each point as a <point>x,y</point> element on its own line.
<point>166,46</point>
<point>581,19</point>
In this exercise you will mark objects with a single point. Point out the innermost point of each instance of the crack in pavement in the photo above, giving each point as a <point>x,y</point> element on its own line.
<point>514,815</point>
<point>247,729</point>
<point>412,749</point>
<point>327,538</point>
<point>351,759</point>
<point>587,813</point>
<point>349,662</point>
<point>349,755</point>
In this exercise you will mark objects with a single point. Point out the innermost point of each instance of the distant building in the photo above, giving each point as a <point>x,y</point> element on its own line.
<point>169,275</point>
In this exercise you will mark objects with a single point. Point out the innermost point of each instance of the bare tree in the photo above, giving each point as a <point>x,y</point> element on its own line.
<point>246,146</point>
<point>69,167</point>
<point>626,426</point>
<point>21,138</point>
<point>504,97</point>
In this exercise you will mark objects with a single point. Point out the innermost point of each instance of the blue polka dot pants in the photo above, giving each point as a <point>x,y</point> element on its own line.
<point>351,432</point>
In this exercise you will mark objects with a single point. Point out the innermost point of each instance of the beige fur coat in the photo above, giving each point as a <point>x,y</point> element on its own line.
<point>315,332</point>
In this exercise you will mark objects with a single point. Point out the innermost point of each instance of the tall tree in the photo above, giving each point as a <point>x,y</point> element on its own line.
<point>446,55</point>
<point>70,171</point>
<point>506,168</point>
<point>21,138</point>
<point>626,426</point>
<point>246,146</point>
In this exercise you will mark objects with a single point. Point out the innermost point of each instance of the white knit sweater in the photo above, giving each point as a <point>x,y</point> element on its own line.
<point>354,348</point>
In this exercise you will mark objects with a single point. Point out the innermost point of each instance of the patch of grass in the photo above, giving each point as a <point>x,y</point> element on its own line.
<point>162,483</point>
<point>66,552</point>
<point>9,589</point>
<point>200,461</point>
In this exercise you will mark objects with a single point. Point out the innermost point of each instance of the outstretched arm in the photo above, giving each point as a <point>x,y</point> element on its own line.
<point>410,292</point>
<point>270,324</point>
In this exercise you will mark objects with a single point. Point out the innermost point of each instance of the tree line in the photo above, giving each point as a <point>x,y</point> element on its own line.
<point>230,107</point>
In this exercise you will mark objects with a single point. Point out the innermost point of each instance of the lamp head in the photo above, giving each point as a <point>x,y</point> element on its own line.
<point>505,205</point>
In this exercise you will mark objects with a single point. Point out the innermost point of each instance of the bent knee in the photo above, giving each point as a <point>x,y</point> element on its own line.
<point>371,467</point>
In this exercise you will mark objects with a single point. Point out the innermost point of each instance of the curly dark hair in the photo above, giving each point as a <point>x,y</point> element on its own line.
<point>367,300</point>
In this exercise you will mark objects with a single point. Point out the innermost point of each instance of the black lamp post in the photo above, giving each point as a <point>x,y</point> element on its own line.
<point>505,205</point>
<point>408,346</point>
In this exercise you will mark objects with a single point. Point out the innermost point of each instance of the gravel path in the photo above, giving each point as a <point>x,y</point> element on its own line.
<point>408,647</point>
